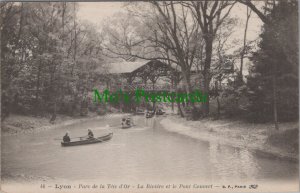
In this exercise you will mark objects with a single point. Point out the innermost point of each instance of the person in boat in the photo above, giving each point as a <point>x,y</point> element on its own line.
<point>90,134</point>
<point>123,122</point>
<point>66,137</point>
<point>128,121</point>
<point>150,114</point>
<point>131,121</point>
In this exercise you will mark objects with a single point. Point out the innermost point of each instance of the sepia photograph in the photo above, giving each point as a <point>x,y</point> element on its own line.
<point>149,96</point>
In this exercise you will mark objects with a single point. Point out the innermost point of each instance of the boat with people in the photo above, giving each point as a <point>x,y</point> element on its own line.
<point>126,126</point>
<point>84,141</point>
<point>150,114</point>
<point>160,112</point>
<point>127,122</point>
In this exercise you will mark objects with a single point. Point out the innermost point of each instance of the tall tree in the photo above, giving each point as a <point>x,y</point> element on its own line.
<point>168,33</point>
<point>209,16</point>
<point>37,49</point>
<point>261,14</point>
<point>244,49</point>
<point>274,93</point>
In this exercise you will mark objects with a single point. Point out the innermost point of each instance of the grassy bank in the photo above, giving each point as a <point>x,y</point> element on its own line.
<point>260,138</point>
<point>16,124</point>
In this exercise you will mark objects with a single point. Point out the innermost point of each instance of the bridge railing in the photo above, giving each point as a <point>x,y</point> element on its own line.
<point>145,87</point>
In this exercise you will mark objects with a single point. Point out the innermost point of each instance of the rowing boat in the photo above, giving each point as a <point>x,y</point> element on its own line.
<point>126,126</point>
<point>150,115</point>
<point>88,141</point>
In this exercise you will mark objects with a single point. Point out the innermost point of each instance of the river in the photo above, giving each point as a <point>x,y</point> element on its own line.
<point>144,152</point>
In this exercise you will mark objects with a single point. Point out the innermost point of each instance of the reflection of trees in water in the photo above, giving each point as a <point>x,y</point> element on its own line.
<point>150,122</point>
<point>232,163</point>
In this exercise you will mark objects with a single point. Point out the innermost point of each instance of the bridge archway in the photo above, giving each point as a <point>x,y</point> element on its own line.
<point>150,76</point>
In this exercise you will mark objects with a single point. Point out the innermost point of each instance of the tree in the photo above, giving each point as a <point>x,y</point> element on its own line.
<point>38,72</point>
<point>244,49</point>
<point>255,9</point>
<point>223,68</point>
<point>15,54</point>
<point>209,16</point>
<point>273,80</point>
<point>165,34</point>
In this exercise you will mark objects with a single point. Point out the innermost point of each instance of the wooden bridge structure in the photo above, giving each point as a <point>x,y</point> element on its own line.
<point>149,76</point>
<point>145,87</point>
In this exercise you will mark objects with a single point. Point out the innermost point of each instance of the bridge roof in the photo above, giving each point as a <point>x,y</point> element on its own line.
<point>123,67</point>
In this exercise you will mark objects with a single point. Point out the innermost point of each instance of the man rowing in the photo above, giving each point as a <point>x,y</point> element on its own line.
<point>66,137</point>
<point>90,134</point>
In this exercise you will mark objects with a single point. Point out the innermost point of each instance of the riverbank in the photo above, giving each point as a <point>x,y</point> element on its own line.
<point>17,124</point>
<point>259,138</point>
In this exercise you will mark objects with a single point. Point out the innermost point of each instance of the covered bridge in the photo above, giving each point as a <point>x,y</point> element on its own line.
<point>152,75</point>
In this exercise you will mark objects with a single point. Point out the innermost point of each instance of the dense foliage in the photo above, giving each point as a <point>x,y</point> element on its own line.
<point>48,58</point>
<point>276,60</point>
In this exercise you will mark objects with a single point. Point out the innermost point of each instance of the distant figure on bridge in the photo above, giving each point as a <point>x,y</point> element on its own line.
<point>66,137</point>
<point>90,134</point>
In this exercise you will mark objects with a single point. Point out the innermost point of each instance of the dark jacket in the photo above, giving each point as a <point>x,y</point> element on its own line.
<point>128,121</point>
<point>66,138</point>
<point>90,134</point>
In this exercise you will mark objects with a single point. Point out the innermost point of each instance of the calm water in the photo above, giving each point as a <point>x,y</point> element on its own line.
<point>144,152</point>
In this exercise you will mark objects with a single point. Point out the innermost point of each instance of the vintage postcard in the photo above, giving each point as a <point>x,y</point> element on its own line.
<point>149,96</point>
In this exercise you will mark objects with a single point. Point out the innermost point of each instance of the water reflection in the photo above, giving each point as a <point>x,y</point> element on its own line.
<point>144,152</point>
<point>228,161</point>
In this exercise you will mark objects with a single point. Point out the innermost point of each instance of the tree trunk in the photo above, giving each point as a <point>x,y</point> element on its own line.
<point>275,103</point>
<point>75,42</point>
<point>37,89</point>
<point>219,108</point>
<point>172,96</point>
<point>54,94</point>
<point>188,86</point>
<point>218,101</point>
<point>58,92</point>
<point>205,105</point>
<point>153,87</point>
<point>179,109</point>
<point>53,117</point>
<point>206,73</point>
<point>244,46</point>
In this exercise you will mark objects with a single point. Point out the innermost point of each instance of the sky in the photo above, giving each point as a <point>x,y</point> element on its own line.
<point>97,12</point>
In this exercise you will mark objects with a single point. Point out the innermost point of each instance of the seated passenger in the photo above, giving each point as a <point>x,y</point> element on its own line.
<point>90,134</point>
<point>128,121</point>
<point>66,138</point>
<point>123,122</point>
